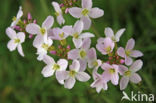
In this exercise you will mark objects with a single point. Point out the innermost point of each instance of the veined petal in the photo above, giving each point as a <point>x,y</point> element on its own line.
<point>48,23</point>
<point>86,4</point>
<point>73,54</point>
<point>21,36</point>
<point>56,7</point>
<point>20,50</point>
<point>83,65</point>
<point>135,78</point>
<point>128,60</point>
<point>48,60</point>
<point>47,71</point>
<point>86,35</point>
<point>106,66</point>
<point>12,45</point>
<point>87,22</point>
<point>115,79</point>
<point>75,12</point>
<point>20,13</point>
<point>82,76</point>
<point>67,30</point>
<point>63,64</point>
<point>118,34</point>
<point>121,52</point>
<point>75,65</point>
<point>86,43</point>
<point>96,13</point>
<point>109,32</point>
<point>92,54</point>
<point>77,42</point>
<point>32,28</point>
<point>124,82</point>
<point>38,41</point>
<point>62,75</point>
<point>78,26</point>
<point>122,69</point>
<point>136,53</point>
<point>60,19</point>
<point>130,44</point>
<point>11,33</point>
<point>69,83</point>
<point>136,66</point>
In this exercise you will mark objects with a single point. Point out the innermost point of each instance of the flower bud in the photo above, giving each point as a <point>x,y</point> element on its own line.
<point>53,52</point>
<point>30,36</point>
<point>29,16</point>
<point>35,21</point>
<point>122,61</point>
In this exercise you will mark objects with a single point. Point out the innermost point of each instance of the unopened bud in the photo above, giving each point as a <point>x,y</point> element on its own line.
<point>29,16</point>
<point>122,61</point>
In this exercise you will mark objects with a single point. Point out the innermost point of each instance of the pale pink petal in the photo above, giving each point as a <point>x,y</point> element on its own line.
<point>121,52</point>
<point>87,22</point>
<point>21,36</point>
<point>106,76</point>
<point>73,54</point>
<point>86,43</point>
<point>75,12</point>
<point>122,69</point>
<point>135,78</point>
<point>109,32</point>
<point>87,35</point>
<point>96,13</point>
<point>69,83</point>
<point>67,30</point>
<point>63,64</point>
<point>20,50</point>
<point>61,75</point>
<point>77,42</point>
<point>130,44</point>
<point>75,65</point>
<point>100,40</point>
<point>115,79</point>
<point>91,54</point>
<point>20,13</point>
<point>136,66</point>
<point>124,82</point>
<point>48,60</point>
<point>83,65</point>
<point>106,66</point>
<point>109,43</point>
<point>60,19</point>
<point>86,4</point>
<point>56,7</point>
<point>12,45</point>
<point>11,33</point>
<point>32,28</point>
<point>136,54</point>
<point>128,60</point>
<point>48,22</point>
<point>118,34</point>
<point>82,76</point>
<point>100,47</point>
<point>78,26</point>
<point>47,71</point>
<point>38,41</point>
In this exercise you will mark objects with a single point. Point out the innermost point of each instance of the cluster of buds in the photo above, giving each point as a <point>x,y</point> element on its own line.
<point>72,46</point>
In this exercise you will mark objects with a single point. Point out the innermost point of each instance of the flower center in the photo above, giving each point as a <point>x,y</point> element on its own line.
<point>57,13</point>
<point>61,35</point>
<point>82,54</point>
<point>113,38</point>
<point>127,73</point>
<point>111,71</point>
<point>127,52</point>
<point>17,41</point>
<point>76,35</point>
<point>45,46</point>
<point>56,67</point>
<point>95,63</point>
<point>14,18</point>
<point>108,49</point>
<point>42,30</point>
<point>85,12</point>
<point>72,73</point>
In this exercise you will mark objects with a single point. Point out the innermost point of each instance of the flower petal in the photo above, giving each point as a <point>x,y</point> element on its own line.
<point>136,66</point>
<point>77,42</point>
<point>121,52</point>
<point>38,41</point>
<point>11,33</point>
<point>86,43</point>
<point>60,19</point>
<point>21,36</point>
<point>124,82</point>
<point>75,12</point>
<point>75,65</point>
<point>115,79</point>
<point>109,32</point>
<point>83,65</point>
<point>118,34</point>
<point>87,35</point>
<point>67,30</point>
<point>63,63</point>
<point>136,54</point>
<point>92,54</point>
<point>86,4</point>
<point>11,45</point>
<point>48,22</point>
<point>128,60</point>
<point>69,83</point>
<point>32,28</point>
<point>130,44</point>
<point>82,76</point>
<point>122,69</point>
<point>20,50</point>
<point>61,75</point>
<point>106,66</point>
<point>56,7</point>
<point>78,26</point>
<point>87,22</point>
<point>20,13</point>
<point>96,13</point>
<point>48,60</point>
<point>47,71</point>
<point>135,78</point>
<point>73,54</point>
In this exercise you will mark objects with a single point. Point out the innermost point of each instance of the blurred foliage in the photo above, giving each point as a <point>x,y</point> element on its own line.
<point>21,80</point>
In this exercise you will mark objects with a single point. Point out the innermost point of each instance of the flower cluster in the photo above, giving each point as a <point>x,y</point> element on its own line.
<point>81,61</point>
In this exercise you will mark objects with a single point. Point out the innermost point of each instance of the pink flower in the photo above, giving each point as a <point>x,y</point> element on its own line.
<point>110,73</point>
<point>130,74</point>
<point>128,52</point>
<point>105,45</point>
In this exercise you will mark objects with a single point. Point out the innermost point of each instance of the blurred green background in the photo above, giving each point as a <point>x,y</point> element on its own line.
<point>21,80</point>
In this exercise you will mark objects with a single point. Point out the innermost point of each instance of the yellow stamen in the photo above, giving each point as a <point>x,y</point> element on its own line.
<point>45,46</point>
<point>56,67</point>
<point>111,71</point>
<point>42,30</point>
<point>17,41</point>
<point>127,73</point>
<point>76,35</point>
<point>85,12</point>
<point>83,54</point>
<point>72,73</point>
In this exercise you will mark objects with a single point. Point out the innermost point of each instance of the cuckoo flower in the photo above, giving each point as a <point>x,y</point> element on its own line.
<point>99,83</point>
<point>60,34</point>
<point>115,37</point>
<point>86,12</point>
<point>93,62</point>
<point>51,67</point>
<point>78,35</point>
<point>43,48</point>
<point>130,74</point>
<point>73,74</point>
<point>17,18</point>
<point>16,40</point>
<point>81,53</point>
<point>41,32</point>
<point>105,45</point>
<point>110,73</point>
<point>128,52</point>
<point>58,13</point>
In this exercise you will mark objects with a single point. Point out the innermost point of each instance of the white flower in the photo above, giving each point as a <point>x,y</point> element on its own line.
<point>16,40</point>
<point>115,37</point>
<point>41,32</point>
<point>86,12</point>
<point>78,35</point>
<point>51,67</point>
<point>43,48</point>
<point>17,18</point>
<point>71,76</point>
<point>58,13</point>
<point>130,74</point>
